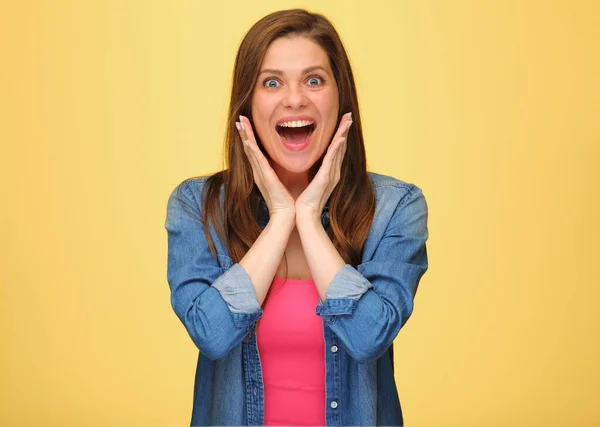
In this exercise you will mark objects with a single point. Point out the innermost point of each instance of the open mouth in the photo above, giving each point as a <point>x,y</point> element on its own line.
<point>295,132</point>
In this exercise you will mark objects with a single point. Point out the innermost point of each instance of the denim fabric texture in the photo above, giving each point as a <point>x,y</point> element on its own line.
<point>364,309</point>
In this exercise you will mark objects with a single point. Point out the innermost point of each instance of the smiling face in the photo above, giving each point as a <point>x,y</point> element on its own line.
<point>295,104</point>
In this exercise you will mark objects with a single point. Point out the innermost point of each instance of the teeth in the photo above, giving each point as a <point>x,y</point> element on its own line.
<point>296,123</point>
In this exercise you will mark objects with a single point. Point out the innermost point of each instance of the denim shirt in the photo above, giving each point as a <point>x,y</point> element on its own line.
<point>364,309</point>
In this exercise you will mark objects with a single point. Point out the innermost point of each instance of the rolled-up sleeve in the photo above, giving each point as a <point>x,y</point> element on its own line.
<point>217,308</point>
<point>367,306</point>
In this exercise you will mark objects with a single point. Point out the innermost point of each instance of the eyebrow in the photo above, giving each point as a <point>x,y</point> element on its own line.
<point>281,73</point>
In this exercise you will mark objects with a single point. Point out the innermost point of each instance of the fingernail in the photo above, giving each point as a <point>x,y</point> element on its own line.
<point>350,115</point>
<point>242,122</point>
<point>348,125</point>
<point>238,126</point>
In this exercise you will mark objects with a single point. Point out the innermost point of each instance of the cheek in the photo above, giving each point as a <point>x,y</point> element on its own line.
<point>326,100</point>
<point>260,117</point>
<point>328,105</point>
<point>264,104</point>
<point>262,111</point>
<point>330,123</point>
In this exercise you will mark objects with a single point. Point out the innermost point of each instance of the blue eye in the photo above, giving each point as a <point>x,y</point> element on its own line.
<point>272,83</point>
<point>315,80</point>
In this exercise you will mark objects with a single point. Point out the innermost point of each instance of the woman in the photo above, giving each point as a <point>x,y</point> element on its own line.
<point>295,203</point>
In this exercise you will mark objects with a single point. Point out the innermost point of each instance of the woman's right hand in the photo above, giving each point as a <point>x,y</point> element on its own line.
<point>278,198</point>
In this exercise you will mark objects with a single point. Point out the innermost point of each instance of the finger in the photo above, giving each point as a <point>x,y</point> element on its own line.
<point>341,135</point>
<point>342,155</point>
<point>248,150</point>
<point>329,159</point>
<point>247,128</point>
<point>342,130</point>
<point>247,134</point>
<point>347,127</point>
<point>336,163</point>
<point>241,132</point>
<point>330,154</point>
<point>254,162</point>
<point>250,147</point>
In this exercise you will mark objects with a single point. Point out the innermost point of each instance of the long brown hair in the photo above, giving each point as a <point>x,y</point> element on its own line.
<point>352,202</point>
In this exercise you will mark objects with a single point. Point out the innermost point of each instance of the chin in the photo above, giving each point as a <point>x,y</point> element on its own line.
<point>296,167</point>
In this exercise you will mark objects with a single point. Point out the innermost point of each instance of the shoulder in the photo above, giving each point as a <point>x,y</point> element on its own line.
<point>185,198</point>
<point>398,201</point>
<point>190,190</point>
<point>400,212</point>
<point>192,187</point>
<point>390,188</point>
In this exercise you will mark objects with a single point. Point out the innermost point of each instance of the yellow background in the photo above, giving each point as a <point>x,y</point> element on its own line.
<point>491,107</point>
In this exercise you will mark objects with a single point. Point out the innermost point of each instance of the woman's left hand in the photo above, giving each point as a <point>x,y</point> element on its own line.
<point>312,201</point>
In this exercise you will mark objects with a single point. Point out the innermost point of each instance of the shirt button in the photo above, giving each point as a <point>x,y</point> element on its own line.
<point>334,349</point>
<point>333,404</point>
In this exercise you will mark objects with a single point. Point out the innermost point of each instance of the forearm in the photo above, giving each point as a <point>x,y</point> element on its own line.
<point>263,258</point>
<point>322,257</point>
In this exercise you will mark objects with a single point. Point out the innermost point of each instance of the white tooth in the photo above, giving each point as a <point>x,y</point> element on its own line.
<point>296,123</point>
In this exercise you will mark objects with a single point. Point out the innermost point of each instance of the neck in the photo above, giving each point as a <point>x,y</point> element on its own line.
<point>295,183</point>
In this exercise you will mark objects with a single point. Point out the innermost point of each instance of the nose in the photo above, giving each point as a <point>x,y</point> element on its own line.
<point>295,98</point>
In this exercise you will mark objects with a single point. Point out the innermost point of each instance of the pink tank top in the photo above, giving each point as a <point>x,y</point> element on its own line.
<point>292,354</point>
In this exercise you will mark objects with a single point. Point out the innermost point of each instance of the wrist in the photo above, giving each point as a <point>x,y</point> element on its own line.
<point>308,216</point>
<point>283,219</point>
